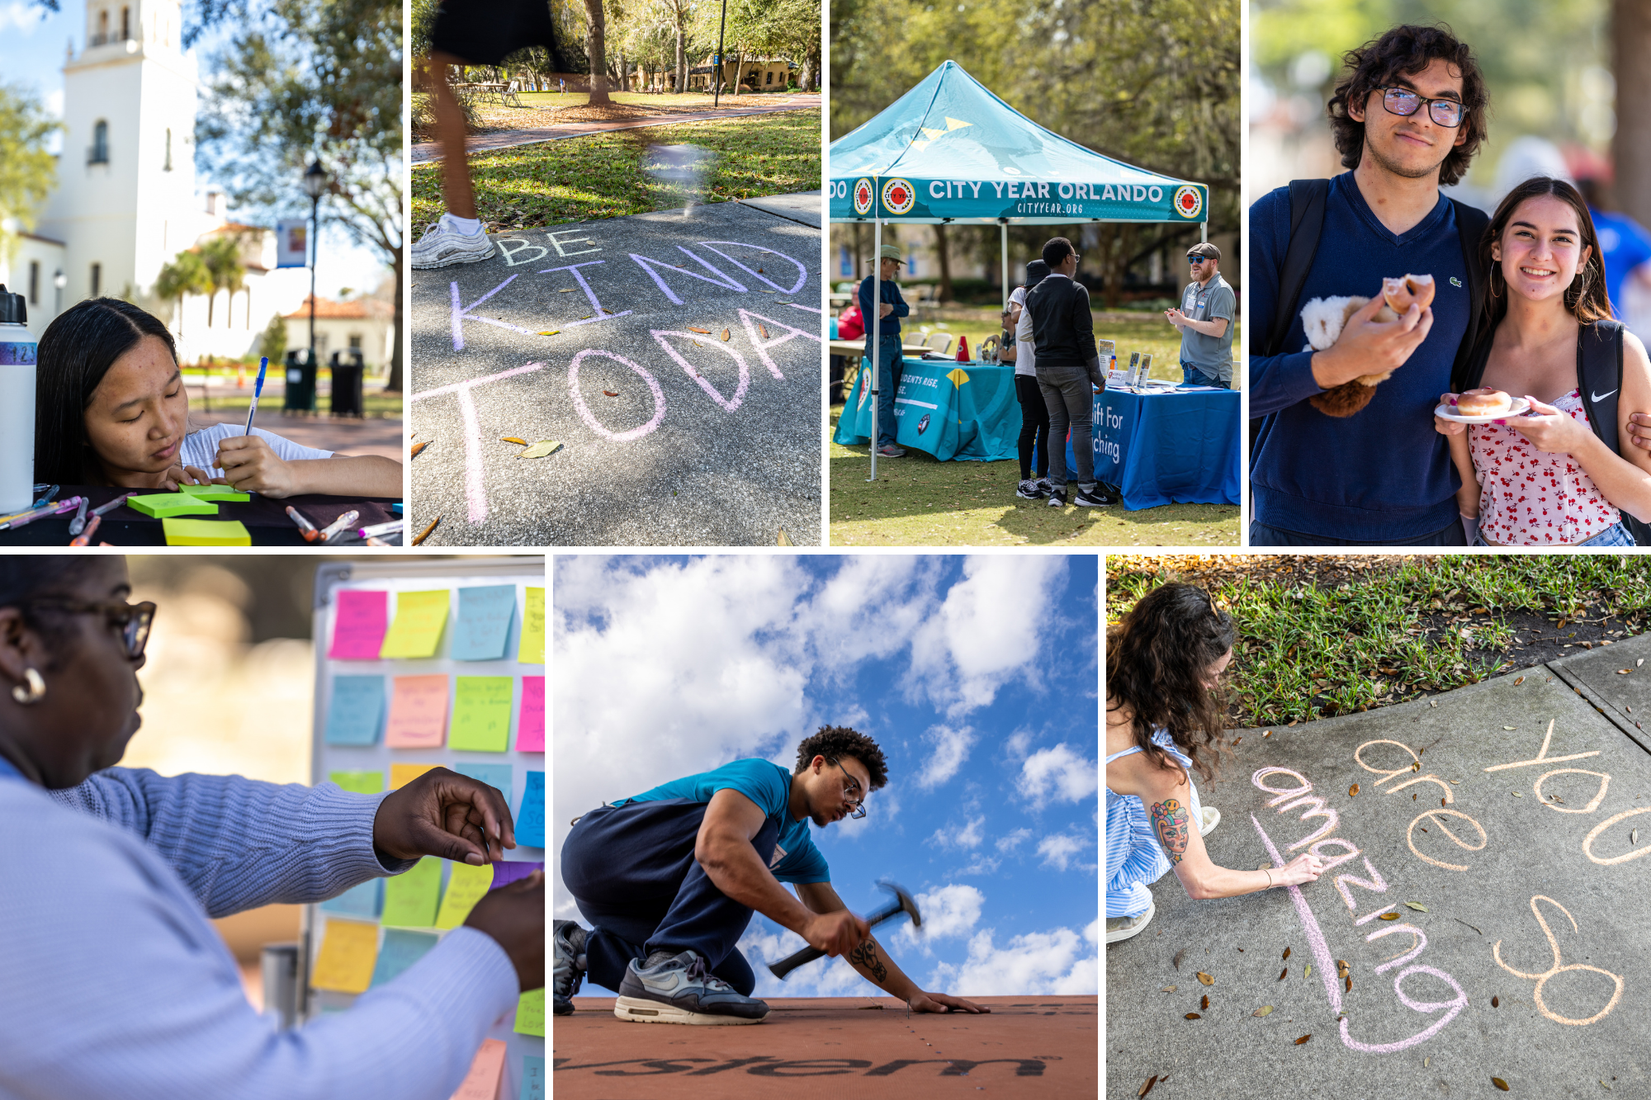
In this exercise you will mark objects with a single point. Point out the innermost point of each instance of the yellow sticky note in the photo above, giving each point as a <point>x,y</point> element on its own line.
<point>530,1013</point>
<point>348,953</point>
<point>205,532</point>
<point>482,1082</point>
<point>359,782</point>
<point>403,774</point>
<point>416,629</point>
<point>418,712</point>
<point>531,651</point>
<point>465,887</point>
<point>410,898</point>
<point>481,713</point>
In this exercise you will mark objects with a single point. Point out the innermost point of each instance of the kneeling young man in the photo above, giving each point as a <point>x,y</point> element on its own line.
<point>669,879</point>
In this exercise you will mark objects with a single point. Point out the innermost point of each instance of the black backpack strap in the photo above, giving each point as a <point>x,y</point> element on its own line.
<point>1599,377</point>
<point>1474,350</point>
<point>1307,202</point>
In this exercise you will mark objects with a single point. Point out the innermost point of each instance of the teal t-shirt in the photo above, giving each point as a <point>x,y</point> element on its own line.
<point>794,859</point>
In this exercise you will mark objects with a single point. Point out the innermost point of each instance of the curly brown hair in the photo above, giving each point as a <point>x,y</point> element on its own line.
<point>1409,49</point>
<point>832,742</point>
<point>1585,298</point>
<point>1157,657</point>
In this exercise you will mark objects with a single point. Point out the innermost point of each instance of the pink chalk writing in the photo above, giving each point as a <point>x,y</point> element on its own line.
<point>762,346</point>
<point>716,278</point>
<point>729,404</point>
<point>590,418</point>
<point>802,271</point>
<point>474,490</point>
<point>596,309</point>
<point>461,313</point>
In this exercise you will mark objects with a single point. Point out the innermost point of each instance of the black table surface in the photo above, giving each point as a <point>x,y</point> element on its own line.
<point>265,518</point>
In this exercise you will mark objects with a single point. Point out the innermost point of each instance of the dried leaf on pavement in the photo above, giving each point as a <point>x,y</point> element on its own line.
<point>1262,1011</point>
<point>541,449</point>
<point>1205,978</point>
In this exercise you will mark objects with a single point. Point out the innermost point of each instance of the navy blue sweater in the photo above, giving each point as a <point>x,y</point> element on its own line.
<point>1382,474</point>
<point>891,323</point>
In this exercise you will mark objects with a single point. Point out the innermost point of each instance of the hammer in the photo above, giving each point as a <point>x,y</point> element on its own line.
<point>903,903</point>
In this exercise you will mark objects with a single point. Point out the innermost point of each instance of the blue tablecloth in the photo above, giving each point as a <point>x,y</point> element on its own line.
<point>1175,446</point>
<point>951,410</point>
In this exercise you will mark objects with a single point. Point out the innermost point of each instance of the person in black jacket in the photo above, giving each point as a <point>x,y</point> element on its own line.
<point>886,354</point>
<point>1068,366</point>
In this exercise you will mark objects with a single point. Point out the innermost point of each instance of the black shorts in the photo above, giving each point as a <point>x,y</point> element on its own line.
<point>485,32</point>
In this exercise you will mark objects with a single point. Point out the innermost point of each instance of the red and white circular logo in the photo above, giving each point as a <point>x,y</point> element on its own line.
<point>898,196</point>
<point>1188,201</point>
<point>863,194</point>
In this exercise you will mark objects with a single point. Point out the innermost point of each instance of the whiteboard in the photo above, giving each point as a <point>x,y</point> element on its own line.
<point>393,577</point>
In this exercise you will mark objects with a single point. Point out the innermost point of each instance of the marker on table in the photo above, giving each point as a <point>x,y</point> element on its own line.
<point>85,537</point>
<point>380,529</point>
<point>21,518</point>
<point>104,509</point>
<point>338,526</point>
<point>305,527</point>
<point>258,388</point>
<point>78,524</point>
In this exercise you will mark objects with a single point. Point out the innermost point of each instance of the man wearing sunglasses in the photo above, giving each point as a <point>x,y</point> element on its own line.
<point>1205,320</point>
<point>670,877</point>
<point>1408,117</point>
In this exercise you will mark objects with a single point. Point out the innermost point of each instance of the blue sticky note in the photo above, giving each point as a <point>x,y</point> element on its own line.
<point>364,900</point>
<point>533,1077</point>
<point>402,948</point>
<point>483,624</point>
<point>530,819</point>
<point>497,776</point>
<point>356,713</point>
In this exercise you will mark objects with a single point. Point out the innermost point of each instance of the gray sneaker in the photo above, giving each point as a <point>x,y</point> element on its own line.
<point>1123,928</point>
<point>568,968</point>
<point>443,247</point>
<point>682,990</point>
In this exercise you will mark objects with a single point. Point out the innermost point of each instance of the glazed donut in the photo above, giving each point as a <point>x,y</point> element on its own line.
<point>1483,402</point>
<point>1401,293</point>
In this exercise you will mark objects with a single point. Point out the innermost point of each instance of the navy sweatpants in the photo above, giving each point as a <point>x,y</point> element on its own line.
<point>632,870</point>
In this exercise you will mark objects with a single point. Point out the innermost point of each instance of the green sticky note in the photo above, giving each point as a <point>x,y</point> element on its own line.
<point>359,782</point>
<point>416,629</point>
<point>531,650</point>
<point>161,505</point>
<point>481,713</point>
<point>465,887</point>
<point>214,492</point>
<point>530,1013</point>
<point>410,898</point>
<point>205,532</point>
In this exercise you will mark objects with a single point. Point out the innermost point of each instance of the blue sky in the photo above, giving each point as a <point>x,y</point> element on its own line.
<point>31,57</point>
<point>977,676</point>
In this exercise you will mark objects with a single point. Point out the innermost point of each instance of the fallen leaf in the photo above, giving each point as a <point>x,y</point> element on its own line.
<point>611,393</point>
<point>1510,727</point>
<point>565,290</point>
<point>1499,1083</point>
<point>1353,791</point>
<point>695,328</point>
<point>1519,681</point>
<point>1303,1039</point>
<point>1427,1061</point>
<point>1205,978</point>
<point>417,447</point>
<point>1633,836</point>
<point>1308,973</point>
<point>1286,953</point>
<point>1193,1016</point>
<point>605,309</point>
<point>1179,955</point>
<point>697,344</point>
<point>1205,1003</point>
<point>1388,916</point>
<point>1147,1087</point>
<point>587,316</point>
<point>551,332</point>
<point>1416,905</point>
<point>759,270</point>
<point>1269,733</point>
<point>1169,989</point>
<point>541,449</point>
<point>725,336</point>
<point>1349,982</point>
<point>1442,802</point>
<point>1282,973</point>
<point>764,330</point>
<point>1516,794</point>
<point>1262,1011</point>
<point>1495,1001</point>
<point>512,439</point>
<point>1416,767</point>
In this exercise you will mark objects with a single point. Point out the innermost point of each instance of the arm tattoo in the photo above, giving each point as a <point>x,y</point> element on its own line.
<point>866,956</point>
<point>1171,821</point>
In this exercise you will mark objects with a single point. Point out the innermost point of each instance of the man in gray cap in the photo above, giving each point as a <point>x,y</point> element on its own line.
<point>886,354</point>
<point>1206,321</point>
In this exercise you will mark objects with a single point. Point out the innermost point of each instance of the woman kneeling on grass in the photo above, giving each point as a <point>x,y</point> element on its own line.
<point>1163,714</point>
<point>110,409</point>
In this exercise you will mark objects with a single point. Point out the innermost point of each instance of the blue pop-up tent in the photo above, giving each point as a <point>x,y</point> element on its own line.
<point>949,151</point>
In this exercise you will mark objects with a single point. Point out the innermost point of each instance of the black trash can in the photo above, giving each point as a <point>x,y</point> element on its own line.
<point>300,382</point>
<point>348,366</point>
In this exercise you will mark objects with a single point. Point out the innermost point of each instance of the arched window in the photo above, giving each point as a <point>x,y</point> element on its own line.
<point>99,152</point>
<point>102,28</point>
<point>125,24</point>
<point>167,167</point>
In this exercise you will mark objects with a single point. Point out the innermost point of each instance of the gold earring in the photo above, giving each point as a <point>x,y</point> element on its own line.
<point>35,691</point>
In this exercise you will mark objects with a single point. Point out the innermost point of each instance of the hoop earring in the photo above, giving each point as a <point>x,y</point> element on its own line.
<point>34,692</point>
<point>1495,272</point>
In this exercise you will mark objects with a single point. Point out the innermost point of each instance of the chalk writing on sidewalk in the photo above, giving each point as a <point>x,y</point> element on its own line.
<point>1558,967</point>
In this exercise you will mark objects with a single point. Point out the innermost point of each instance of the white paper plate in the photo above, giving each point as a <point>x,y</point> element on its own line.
<point>1448,412</point>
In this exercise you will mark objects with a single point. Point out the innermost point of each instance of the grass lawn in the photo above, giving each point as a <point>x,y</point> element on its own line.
<point>697,100</point>
<point>603,175</point>
<point>1321,636</point>
<point>376,403</point>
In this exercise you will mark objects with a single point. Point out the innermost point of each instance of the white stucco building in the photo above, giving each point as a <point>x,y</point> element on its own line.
<point>126,201</point>
<point>365,323</point>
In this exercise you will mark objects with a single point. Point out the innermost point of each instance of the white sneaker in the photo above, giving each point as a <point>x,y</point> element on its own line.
<point>1122,928</point>
<point>443,246</point>
<point>1208,820</point>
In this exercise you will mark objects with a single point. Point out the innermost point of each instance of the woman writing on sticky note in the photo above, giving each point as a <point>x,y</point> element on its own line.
<point>114,981</point>
<point>111,409</point>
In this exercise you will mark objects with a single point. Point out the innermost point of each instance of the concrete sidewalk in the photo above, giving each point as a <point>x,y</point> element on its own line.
<point>672,435</point>
<point>861,1047</point>
<point>1526,955</point>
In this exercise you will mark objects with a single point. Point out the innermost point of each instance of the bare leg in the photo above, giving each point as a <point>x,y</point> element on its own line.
<point>455,165</point>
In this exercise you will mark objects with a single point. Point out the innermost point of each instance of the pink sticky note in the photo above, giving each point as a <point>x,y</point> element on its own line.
<point>482,1082</point>
<point>530,726</point>
<point>418,712</point>
<point>358,626</point>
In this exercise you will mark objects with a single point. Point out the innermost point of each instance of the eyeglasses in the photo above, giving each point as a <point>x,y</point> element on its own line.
<point>1196,260</point>
<point>853,787</point>
<point>1404,102</point>
<point>132,619</point>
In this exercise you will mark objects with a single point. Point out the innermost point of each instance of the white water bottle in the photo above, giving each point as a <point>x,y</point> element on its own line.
<point>17,355</point>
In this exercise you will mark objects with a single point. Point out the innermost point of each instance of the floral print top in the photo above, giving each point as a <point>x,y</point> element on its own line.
<point>1531,498</point>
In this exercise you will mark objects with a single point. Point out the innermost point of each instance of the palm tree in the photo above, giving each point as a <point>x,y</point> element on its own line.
<point>186,274</point>
<point>222,257</point>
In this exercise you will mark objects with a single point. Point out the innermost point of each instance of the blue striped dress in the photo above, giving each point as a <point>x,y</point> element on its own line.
<point>1134,858</point>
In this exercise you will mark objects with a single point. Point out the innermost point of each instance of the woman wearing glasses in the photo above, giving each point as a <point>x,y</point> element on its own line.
<point>1545,478</point>
<point>1164,715</point>
<point>115,982</point>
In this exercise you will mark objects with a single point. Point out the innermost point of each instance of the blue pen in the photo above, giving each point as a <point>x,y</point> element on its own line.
<point>258,388</point>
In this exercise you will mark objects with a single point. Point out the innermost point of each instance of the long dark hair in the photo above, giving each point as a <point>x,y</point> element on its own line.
<point>75,353</point>
<point>1156,659</point>
<point>1409,50</point>
<point>1585,298</point>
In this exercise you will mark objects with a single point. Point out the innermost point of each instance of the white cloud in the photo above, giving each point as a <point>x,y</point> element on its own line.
<point>1059,850</point>
<point>980,865</point>
<point>1059,962</point>
<point>969,836</point>
<point>948,912</point>
<point>27,18</point>
<point>951,749</point>
<point>1057,774</point>
<point>1018,743</point>
<point>987,630</point>
<point>1012,841</point>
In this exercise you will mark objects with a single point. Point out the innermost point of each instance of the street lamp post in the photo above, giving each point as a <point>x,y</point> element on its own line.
<point>315,183</point>
<point>722,30</point>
